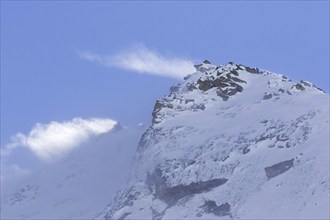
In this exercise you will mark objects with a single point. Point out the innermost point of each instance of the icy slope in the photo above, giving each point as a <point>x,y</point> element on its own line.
<point>78,186</point>
<point>232,142</point>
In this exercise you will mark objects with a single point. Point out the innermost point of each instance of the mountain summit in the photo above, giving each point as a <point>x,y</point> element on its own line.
<point>232,141</point>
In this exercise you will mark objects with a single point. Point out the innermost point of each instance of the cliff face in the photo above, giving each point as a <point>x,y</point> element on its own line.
<point>232,141</point>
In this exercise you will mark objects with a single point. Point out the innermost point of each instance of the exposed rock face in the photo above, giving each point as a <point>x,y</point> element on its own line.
<point>212,141</point>
<point>267,96</point>
<point>252,70</point>
<point>299,87</point>
<point>278,168</point>
<point>223,80</point>
<point>171,195</point>
<point>206,62</point>
<point>218,210</point>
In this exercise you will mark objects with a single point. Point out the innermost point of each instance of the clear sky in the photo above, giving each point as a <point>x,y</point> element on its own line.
<point>57,57</point>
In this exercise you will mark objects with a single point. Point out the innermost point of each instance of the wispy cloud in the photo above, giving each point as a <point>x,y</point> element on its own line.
<point>143,60</point>
<point>51,141</point>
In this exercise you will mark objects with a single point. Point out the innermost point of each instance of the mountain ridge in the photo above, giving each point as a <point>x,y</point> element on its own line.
<point>224,79</point>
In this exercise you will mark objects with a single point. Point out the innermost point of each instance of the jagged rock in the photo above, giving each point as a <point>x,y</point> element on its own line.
<point>320,89</point>
<point>278,168</point>
<point>191,87</point>
<point>310,85</point>
<point>221,210</point>
<point>189,100</point>
<point>235,79</point>
<point>238,88</point>
<point>267,96</point>
<point>245,150</point>
<point>198,107</point>
<point>239,67</point>
<point>232,91</point>
<point>281,90</point>
<point>171,194</point>
<point>158,106</point>
<point>219,82</point>
<point>282,137</point>
<point>203,67</point>
<point>285,79</point>
<point>252,70</point>
<point>222,94</point>
<point>290,144</point>
<point>305,83</point>
<point>204,85</point>
<point>175,88</point>
<point>235,73</point>
<point>186,77</point>
<point>219,73</point>
<point>298,86</point>
<point>197,66</point>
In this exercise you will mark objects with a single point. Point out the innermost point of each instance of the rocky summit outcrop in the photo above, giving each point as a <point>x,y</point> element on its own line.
<point>223,81</point>
<point>232,141</point>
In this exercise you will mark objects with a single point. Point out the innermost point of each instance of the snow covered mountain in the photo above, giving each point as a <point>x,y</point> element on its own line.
<point>79,185</point>
<point>232,141</point>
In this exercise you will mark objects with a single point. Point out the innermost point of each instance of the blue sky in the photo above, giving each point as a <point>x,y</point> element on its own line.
<point>47,76</point>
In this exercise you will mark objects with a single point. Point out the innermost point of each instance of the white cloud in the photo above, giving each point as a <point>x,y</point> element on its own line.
<point>52,141</point>
<point>143,60</point>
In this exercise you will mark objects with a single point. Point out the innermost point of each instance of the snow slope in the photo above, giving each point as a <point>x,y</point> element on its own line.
<point>232,142</point>
<point>78,186</point>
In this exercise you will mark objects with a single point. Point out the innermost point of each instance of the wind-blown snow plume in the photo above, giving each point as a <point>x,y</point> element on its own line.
<point>53,140</point>
<point>143,60</point>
